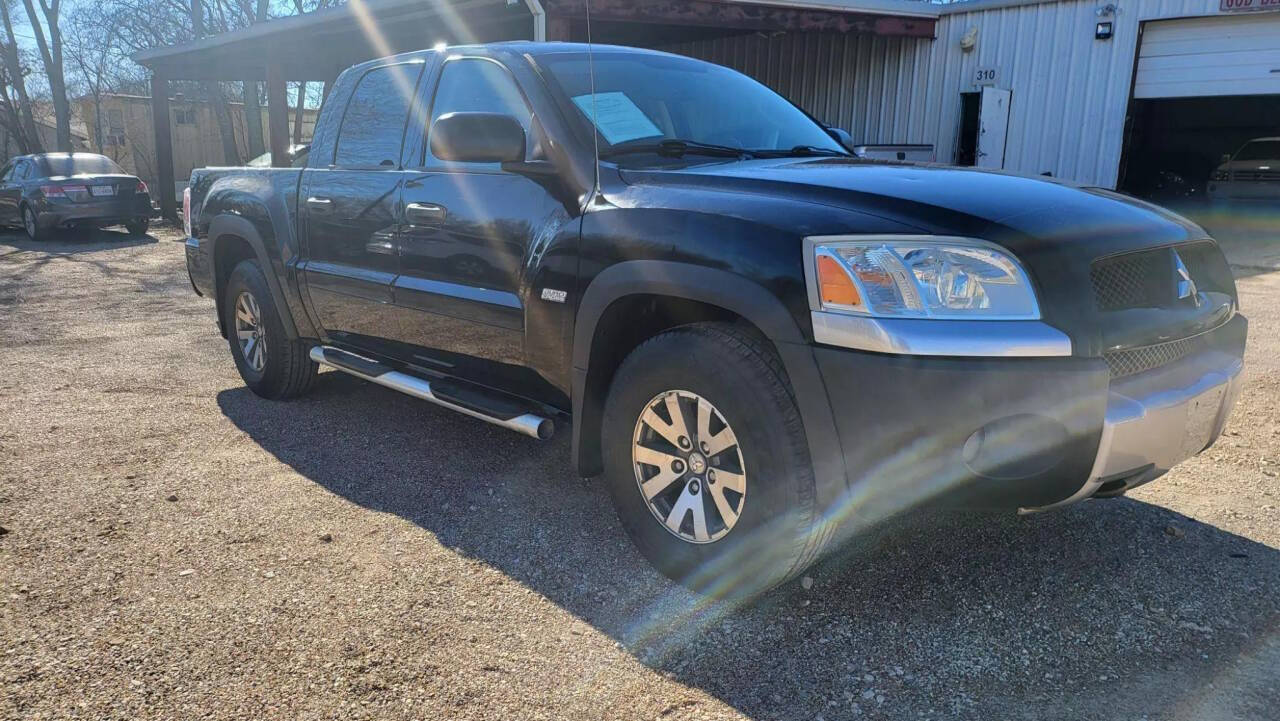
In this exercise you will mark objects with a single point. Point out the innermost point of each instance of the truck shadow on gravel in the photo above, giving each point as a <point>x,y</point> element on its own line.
<point>1111,609</point>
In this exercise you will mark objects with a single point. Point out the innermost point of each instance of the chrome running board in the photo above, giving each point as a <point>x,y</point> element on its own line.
<point>529,424</point>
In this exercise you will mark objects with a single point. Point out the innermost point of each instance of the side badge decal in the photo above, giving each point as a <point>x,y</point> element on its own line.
<point>553,295</point>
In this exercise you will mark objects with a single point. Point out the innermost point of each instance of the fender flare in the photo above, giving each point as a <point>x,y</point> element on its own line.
<point>733,293</point>
<point>224,226</point>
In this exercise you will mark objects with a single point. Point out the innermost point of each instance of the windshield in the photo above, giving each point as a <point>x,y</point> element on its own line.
<point>645,99</point>
<point>1260,150</point>
<point>79,164</point>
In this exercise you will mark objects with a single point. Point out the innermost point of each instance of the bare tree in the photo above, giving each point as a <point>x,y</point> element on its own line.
<point>213,89</point>
<point>51,53</point>
<point>20,120</point>
<point>95,70</point>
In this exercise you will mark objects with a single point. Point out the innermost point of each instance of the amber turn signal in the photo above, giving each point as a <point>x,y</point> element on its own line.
<point>834,284</point>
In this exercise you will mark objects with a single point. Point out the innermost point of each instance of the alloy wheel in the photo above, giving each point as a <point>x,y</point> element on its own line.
<point>691,475</point>
<point>29,221</point>
<point>250,332</point>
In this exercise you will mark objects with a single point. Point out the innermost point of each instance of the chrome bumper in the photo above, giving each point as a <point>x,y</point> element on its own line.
<point>1158,419</point>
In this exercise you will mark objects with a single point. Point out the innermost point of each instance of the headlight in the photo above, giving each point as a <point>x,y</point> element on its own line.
<point>919,277</point>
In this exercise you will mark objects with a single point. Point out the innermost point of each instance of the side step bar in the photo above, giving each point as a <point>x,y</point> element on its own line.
<point>460,400</point>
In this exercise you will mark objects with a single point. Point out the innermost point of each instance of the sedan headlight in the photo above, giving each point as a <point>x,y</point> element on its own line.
<point>919,277</point>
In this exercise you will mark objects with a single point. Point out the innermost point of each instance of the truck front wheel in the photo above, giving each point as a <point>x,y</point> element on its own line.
<point>707,463</point>
<point>271,365</point>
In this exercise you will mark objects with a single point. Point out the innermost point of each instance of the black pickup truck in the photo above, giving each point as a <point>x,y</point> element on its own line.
<point>759,341</point>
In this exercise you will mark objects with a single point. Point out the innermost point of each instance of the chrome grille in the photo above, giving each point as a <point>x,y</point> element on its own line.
<point>1132,361</point>
<point>1133,280</point>
<point>1256,176</point>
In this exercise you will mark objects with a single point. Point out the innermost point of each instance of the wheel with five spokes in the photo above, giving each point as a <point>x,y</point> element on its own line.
<point>271,364</point>
<point>707,463</point>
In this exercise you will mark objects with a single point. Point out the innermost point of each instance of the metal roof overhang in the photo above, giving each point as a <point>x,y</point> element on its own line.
<point>317,45</point>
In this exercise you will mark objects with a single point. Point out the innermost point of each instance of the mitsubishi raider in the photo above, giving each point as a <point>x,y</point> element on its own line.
<point>760,342</point>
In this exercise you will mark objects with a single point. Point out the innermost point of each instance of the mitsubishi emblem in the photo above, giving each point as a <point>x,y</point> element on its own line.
<point>1186,286</point>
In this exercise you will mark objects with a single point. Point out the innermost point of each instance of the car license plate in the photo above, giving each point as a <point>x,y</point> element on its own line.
<point>102,190</point>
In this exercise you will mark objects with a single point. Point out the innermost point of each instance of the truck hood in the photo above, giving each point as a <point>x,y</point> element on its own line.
<point>1017,211</point>
<point>1056,229</point>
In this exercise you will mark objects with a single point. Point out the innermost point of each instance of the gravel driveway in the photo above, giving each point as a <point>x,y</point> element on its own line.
<point>175,547</point>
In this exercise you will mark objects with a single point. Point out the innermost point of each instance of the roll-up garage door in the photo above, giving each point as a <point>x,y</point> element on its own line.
<point>1211,56</point>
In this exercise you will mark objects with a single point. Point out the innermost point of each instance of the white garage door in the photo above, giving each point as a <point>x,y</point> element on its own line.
<point>1197,57</point>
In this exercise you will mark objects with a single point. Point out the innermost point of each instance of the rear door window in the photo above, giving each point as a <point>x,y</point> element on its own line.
<point>372,129</point>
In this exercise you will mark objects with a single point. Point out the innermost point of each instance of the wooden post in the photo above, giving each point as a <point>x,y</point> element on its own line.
<point>164,146</point>
<point>277,115</point>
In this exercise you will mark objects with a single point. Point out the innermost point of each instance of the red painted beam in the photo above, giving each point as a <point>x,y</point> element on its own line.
<point>743,16</point>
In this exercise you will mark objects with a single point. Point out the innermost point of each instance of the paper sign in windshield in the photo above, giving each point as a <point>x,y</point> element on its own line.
<point>617,117</point>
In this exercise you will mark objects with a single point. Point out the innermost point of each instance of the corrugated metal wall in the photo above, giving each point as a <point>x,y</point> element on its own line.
<point>1070,91</point>
<point>862,83</point>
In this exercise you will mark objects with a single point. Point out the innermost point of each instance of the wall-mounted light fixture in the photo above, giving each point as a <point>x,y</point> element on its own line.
<point>1103,31</point>
<point>969,40</point>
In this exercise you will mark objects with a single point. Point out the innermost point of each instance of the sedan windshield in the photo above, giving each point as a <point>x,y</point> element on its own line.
<point>673,104</point>
<point>1260,150</point>
<point>79,164</point>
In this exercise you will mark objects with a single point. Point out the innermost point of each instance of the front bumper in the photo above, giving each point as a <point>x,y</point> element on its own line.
<point>1157,419</point>
<point>1231,191</point>
<point>1029,433</point>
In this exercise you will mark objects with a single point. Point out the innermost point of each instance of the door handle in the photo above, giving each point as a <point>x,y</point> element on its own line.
<point>425,213</point>
<point>320,205</point>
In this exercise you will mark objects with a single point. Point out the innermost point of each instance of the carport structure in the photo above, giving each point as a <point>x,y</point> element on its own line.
<point>316,47</point>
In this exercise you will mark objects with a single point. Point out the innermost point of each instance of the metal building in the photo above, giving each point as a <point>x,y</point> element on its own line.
<point>1105,93</point>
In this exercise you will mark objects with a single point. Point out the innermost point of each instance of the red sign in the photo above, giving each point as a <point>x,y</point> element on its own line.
<point>1247,6</point>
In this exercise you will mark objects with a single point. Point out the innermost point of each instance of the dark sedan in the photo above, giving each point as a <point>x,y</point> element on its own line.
<point>50,191</point>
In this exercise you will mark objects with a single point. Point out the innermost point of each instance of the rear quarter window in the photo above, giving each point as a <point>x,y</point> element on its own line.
<point>372,129</point>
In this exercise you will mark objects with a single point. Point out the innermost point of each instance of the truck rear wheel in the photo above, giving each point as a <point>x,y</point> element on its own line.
<point>707,463</point>
<point>272,365</point>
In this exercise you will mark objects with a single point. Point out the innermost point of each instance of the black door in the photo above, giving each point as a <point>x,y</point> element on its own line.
<point>351,212</point>
<point>470,229</point>
<point>10,192</point>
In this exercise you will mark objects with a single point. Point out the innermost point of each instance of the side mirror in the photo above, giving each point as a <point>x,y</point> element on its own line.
<point>477,138</point>
<point>1226,158</point>
<point>841,136</point>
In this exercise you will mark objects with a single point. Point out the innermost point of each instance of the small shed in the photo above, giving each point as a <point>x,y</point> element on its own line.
<point>318,46</point>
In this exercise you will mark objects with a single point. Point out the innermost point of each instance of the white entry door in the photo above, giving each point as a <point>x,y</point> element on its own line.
<point>993,126</point>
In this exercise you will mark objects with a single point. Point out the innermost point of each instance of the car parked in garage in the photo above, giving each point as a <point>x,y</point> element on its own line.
<point>763,342</point>
<point>1251,174</point>
<point>50,191</point>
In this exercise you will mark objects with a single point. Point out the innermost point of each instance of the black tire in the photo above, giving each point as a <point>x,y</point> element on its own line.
<point>776,535</point>
<point>31,224</point>
<point>287,371</point>
<point>138,227</point>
